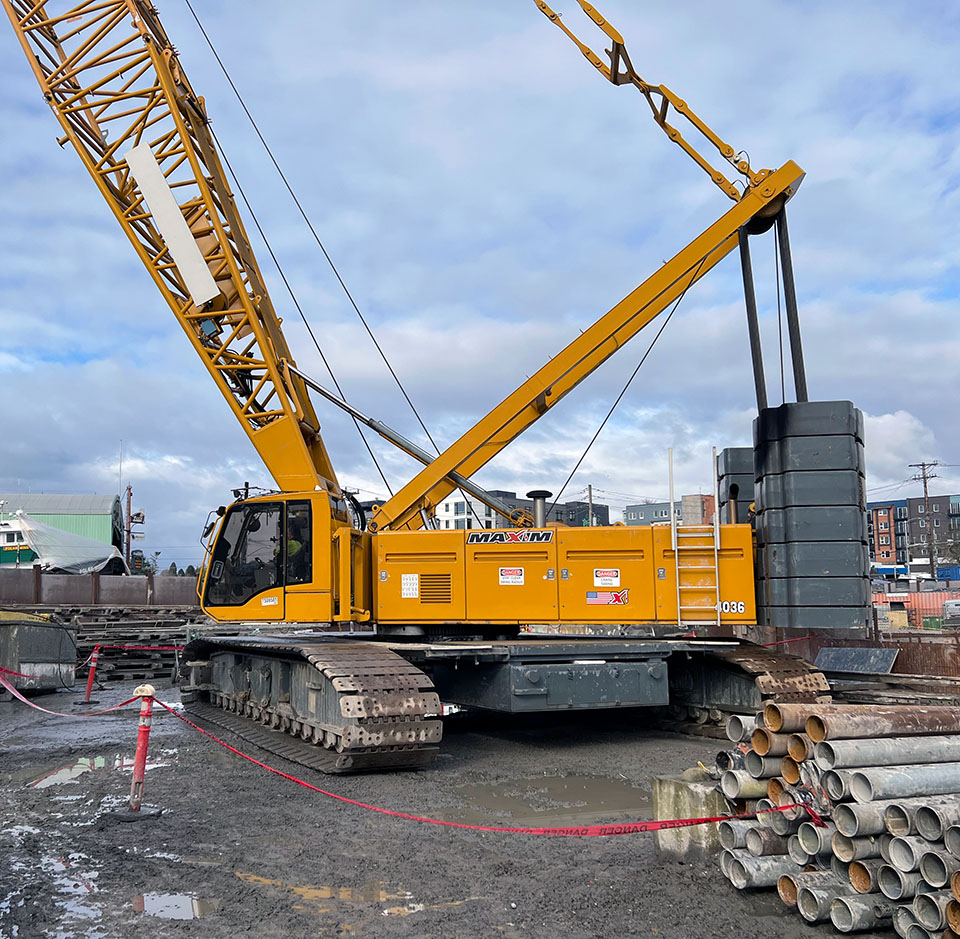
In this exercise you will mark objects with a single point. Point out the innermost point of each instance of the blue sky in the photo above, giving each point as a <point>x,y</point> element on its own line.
<point>485,195</point>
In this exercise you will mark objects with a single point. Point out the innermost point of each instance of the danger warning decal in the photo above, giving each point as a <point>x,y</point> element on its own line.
<point>524,536</point>
<point>608,597</point>
<point>512,576</point>
<point>606,577</point>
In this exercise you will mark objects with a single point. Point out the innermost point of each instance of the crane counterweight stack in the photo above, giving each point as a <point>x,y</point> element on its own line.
<point>440,611</point>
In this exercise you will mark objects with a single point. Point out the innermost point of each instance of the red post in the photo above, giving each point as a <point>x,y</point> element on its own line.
<point>93,670</point>
<point>143,737</point>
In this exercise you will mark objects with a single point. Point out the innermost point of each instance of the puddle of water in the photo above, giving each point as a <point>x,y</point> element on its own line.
<point>367,893</point>
<point>71,772</point>
<point>371,893</point>
<point>534,801</point>
<point>175,905</point>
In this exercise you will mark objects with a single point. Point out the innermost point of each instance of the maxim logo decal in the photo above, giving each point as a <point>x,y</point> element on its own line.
<point>524,536</point>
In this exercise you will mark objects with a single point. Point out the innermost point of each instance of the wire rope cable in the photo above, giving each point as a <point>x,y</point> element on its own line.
<point>328,258</point>
<point>776,266</point>
<point>629,381</point>
<point>296,303</point>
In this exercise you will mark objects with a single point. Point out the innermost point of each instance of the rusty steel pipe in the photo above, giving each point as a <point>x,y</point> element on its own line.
<point>903,919</point>
<point>797,798</point>
<point>790,718</point>
<point>799,747</point>
<point>858,914</point>
<point>855,819</point>
<point>815,839</point>
<point>739,784</point>
<point>863,874</point>
<point>906,851</point>
<point>732,833</point>
<point>913,779</point>
<point>813,903</point>
<point>797,853</point>
<point>767,743</point>
<point>854,849</point>
<point>761,767</point>
<point>775,787</point>
<point>883,722</point>
<point>900,816</point>
<point>763,818</point>
<point>790,770</point>
<point>953,915</point>
<point>936,816</point>
<point>840,868</point>
<point>930,909</point>
<point>759,871</point>
<point>782,825</point>
<point>937,867</point>
<point>762,842</point>
<point>837,784</point>
<point>951,840</point>
<point>887,751</point>
<point>730,759</point>
<point>739,727</point>
<point>885,840</point>
<point>899,885</point>
<point>788,886</point>
<point>726,856</point>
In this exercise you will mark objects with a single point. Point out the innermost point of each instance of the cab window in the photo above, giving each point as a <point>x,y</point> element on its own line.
<point>299,544</point>
<point>247,558</point>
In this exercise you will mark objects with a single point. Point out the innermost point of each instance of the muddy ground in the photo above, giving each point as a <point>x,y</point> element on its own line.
<point>237,851</point>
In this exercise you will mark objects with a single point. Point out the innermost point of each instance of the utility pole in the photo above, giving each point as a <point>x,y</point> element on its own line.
<point>126,552</point>
<point>590,504</point>
<point>925,476</point>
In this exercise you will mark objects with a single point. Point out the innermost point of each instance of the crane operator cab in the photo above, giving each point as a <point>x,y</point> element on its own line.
<point>265,556</point>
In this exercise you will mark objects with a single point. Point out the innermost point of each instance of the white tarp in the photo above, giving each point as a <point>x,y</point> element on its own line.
<point>64,551</point>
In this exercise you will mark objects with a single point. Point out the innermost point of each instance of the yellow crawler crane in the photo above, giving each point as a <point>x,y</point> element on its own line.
<point>440,612</point>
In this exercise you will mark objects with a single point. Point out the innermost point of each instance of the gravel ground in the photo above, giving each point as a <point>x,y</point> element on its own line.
<point>238,851</point>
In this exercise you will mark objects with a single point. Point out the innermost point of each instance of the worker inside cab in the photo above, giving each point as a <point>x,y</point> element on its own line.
<point>298,544</point>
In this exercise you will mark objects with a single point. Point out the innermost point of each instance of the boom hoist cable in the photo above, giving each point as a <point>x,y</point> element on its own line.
<point>327,257</point>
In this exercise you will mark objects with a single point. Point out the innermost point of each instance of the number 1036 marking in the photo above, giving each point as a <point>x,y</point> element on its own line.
<point>733,606</point>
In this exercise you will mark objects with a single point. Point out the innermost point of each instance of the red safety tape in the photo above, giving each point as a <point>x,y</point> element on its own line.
<point>16,694</point>
<point>7,671</point>
<point>587,831</point>
<point>783,642</point>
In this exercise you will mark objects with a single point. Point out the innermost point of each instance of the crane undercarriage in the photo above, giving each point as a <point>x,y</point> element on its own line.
<point>339,703</point>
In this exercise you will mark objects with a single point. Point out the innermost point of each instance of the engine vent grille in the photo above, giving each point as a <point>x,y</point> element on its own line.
<point>436,588</point>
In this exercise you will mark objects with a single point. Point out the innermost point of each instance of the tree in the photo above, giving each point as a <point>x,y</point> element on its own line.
<point>191,571</point>
<point>949,550</point>
<point>171,571</point>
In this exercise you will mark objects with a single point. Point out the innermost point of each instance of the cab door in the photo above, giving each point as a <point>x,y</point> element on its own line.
<point>245,578</point>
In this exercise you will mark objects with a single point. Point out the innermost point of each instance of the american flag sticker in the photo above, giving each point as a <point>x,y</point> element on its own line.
<point>607,597</point>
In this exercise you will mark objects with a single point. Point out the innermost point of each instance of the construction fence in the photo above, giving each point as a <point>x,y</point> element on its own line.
<point>32,587</point>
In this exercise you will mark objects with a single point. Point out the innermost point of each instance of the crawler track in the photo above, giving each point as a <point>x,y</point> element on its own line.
<point>336,706</point>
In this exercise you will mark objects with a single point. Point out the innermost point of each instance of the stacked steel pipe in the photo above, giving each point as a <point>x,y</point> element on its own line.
<point>867,835</point>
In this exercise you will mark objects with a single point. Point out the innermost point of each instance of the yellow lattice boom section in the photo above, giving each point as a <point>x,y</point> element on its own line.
<point>113,79</point>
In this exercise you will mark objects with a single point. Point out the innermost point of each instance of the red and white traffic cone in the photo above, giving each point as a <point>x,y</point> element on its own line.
<point>136,809</point>
<point>94,658</point>
<point>143,739</point>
